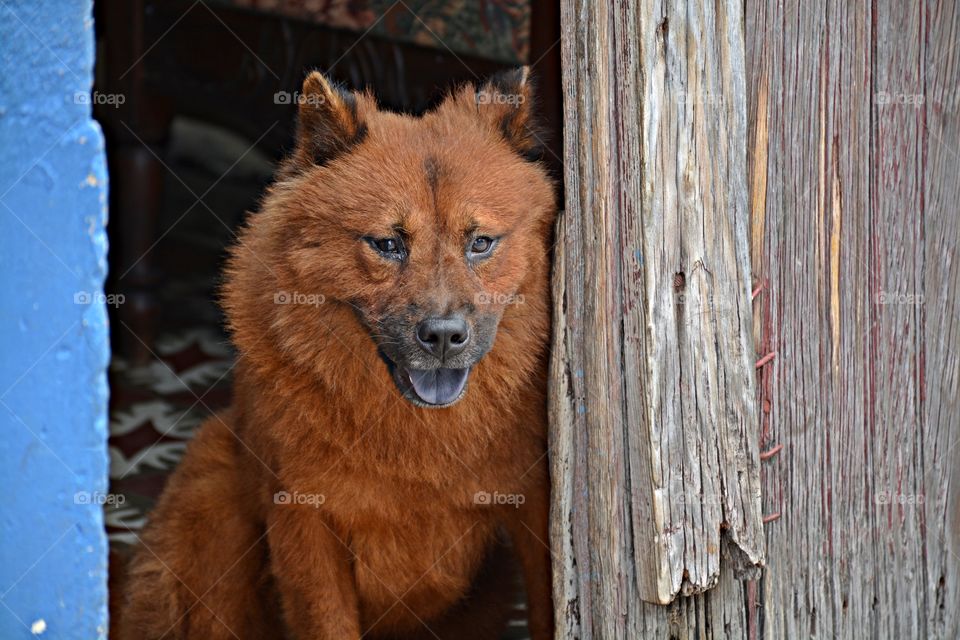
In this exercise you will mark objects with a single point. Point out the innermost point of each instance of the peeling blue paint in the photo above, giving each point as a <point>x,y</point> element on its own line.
<point>53,326</point>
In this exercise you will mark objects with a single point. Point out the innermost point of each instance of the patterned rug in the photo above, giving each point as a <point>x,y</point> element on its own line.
<point>156,409</point>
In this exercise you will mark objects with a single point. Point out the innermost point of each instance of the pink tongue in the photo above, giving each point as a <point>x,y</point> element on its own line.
<point>438,386</point>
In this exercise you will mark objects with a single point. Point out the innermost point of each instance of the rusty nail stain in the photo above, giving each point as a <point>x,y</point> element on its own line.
<point>765,359</point>
<point>766,455</point>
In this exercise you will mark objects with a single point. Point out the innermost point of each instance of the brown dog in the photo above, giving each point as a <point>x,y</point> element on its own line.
<point>381,440</point>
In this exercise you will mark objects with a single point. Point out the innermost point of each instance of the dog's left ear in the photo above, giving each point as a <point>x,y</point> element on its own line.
<point>507,100</point>
<point>329,123</point>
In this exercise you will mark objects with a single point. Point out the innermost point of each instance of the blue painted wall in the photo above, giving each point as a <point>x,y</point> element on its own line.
<point>53,326</point>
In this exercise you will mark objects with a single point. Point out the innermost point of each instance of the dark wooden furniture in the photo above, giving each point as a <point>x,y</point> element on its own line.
<point>239,68</point>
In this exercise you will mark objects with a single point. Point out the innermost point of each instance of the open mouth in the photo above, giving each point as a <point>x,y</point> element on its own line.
<point>435,388</point>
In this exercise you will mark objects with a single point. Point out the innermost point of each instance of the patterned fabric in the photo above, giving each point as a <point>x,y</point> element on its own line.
<point>155,410</point>
<point>493,29</point>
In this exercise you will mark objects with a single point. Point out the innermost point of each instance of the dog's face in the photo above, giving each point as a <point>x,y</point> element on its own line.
<point>426,227</point>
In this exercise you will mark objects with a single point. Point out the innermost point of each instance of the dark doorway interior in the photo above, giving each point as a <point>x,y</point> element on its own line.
<point>208,108</point>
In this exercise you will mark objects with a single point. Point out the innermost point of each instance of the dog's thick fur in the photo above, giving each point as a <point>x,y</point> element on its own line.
<point>395,519</point>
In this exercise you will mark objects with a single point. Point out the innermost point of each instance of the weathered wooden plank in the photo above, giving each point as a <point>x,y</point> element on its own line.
<point>654,424</point>
<point>691,332</point>
<point>581,610</point>
<point>854,183</point>
<point>854,160</point>
<point>940,340</point>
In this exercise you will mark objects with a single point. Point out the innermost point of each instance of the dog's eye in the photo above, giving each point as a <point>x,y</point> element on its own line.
<point>388,247</point>
<point>481,246</point>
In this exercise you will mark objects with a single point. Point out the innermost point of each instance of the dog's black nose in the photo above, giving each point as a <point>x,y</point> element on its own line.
<point>443,337</point>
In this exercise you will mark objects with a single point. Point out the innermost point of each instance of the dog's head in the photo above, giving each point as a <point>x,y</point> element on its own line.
<point>424,227</point>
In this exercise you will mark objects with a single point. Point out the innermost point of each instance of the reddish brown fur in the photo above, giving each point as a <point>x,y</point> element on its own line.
<point>399,540</point>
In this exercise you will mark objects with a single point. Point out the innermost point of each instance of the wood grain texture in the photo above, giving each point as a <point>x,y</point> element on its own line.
<point>590,604</point>
<point>853,156</point>
<point>854,179</point>
<point>655,453</point>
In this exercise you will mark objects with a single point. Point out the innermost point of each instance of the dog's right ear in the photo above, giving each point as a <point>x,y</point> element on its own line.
<point>328,123</point>
<point>506,100</point>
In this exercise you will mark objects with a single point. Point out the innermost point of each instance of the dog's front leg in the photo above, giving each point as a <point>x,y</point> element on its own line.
<point>313,571</point>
